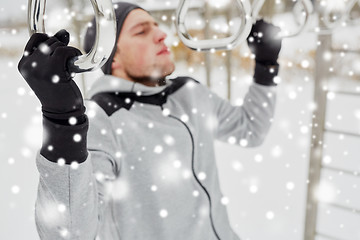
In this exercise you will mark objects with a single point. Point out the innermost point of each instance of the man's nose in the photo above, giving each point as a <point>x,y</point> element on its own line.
<point>160,36</point>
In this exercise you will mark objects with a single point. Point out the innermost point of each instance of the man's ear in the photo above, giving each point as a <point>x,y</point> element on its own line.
<point>116,62</point>
<point>115,65</point>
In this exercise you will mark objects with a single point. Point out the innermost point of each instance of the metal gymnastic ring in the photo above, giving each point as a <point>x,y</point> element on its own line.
<point>218,44</point>
<point>308,7</point>
<point>105,29</point>
<point>350,6</point>
<point>345,11</point>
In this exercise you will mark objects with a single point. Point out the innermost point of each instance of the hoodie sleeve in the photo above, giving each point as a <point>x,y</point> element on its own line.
<point>72,198</point>
<point>248,124</point>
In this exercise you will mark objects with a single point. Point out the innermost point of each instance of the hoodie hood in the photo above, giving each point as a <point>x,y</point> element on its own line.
<point>111,84</point>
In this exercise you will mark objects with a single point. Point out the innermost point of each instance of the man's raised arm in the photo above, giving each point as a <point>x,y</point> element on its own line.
<point>248,124</point>
<point>67,206</point>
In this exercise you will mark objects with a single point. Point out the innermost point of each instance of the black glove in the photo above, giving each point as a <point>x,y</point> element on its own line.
<point>265,45</point>
<point>44,67</point>
<point>263,42</point>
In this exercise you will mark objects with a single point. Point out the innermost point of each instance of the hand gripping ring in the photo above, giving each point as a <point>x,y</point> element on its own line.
<point>218,44</point>
<point>105,38</point>
<point>308,7</point>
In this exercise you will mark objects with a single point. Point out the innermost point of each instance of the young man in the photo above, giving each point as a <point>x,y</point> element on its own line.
<point>140,164</point>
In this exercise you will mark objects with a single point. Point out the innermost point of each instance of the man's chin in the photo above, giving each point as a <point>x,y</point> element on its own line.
<point>169,71</point>
<point>163,72</point>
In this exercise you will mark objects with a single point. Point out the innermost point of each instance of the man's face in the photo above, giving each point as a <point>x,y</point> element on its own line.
<point>142,53</point>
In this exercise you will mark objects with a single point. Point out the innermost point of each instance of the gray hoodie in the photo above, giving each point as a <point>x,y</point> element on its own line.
<point>151,172</point>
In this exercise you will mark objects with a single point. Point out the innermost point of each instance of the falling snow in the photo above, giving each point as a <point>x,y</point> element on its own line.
<point>163,213</point>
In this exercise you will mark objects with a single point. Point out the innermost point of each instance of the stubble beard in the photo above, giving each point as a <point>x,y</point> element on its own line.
<point>157,78</point>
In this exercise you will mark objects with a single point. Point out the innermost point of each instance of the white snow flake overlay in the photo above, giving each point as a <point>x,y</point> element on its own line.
<point>163,213</point>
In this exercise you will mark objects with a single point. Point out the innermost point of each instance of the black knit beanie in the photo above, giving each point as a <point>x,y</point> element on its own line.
<point>122,10</point>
